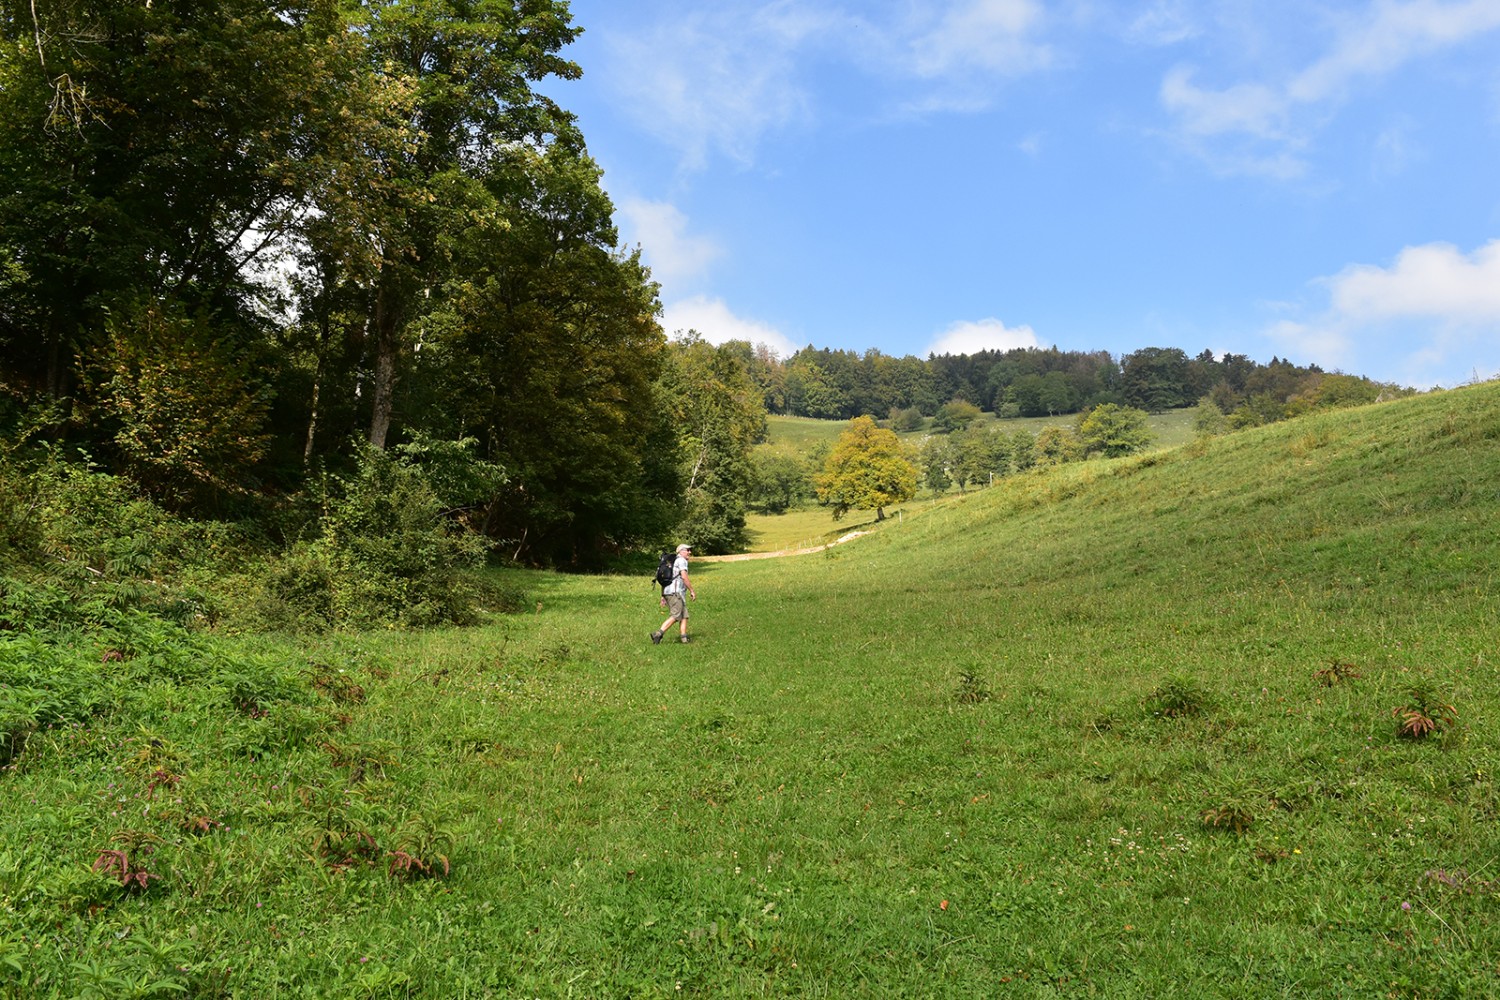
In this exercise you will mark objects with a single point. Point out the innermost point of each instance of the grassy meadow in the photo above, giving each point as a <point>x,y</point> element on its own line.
<point>1124,728</point>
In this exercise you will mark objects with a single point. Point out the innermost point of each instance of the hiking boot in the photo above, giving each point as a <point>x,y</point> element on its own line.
<point>656,638</point>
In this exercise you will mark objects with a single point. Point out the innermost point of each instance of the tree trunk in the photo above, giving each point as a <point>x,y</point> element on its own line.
<point>317,392</point>
<point>312,420</point>
<point>384,389</point>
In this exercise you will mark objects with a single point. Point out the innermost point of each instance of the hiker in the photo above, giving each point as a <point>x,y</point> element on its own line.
<point>676,594</point>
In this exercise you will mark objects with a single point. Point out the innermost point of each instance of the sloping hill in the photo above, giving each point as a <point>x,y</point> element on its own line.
<point>1123,729</point>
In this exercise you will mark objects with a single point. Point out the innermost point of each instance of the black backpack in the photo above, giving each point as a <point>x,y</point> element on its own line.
<point>664,568</point>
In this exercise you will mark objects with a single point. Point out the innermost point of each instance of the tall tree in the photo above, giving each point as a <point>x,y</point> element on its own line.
<point>469,66</point>
<point>152,153</point>
<point>868,469</point>
<point>720,415</point>
<point>544,345</point>
<point>1155,379</point>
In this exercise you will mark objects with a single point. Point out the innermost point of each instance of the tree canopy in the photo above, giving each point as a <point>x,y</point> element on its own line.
<point>868,469</point>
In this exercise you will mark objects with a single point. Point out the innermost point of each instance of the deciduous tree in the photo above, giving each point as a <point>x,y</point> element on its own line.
<point>868,469</point>
<point>1112,430</point>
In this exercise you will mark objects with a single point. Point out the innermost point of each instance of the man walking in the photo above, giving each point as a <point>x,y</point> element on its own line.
<point>676,594</point>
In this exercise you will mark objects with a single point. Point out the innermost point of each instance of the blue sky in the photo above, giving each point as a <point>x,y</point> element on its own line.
<point>1318,181</point>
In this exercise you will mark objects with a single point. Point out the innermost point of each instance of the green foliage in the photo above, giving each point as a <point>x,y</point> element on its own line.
<point>1208,419</point>
<point>936,458</point>
<point>720,416</point>
<point>979,454</point>
<point>189,411</point>
<point>389,554</point>
<point>1113,431</point>
<point>1056,445</point>
<point>1155,379</point>
<point>867,470</point>
<point>94,538</point>
<point>1022,450</point>
<point>782,481</point>
<point>972,689</point>
<point>955,415</point>
<point>1177,696</point>
<point>906,419</point>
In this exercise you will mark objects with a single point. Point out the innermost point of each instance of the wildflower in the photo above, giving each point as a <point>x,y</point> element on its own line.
<point>1405,906</point>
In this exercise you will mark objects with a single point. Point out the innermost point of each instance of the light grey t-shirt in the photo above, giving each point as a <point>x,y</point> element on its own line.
<point>679,567</point>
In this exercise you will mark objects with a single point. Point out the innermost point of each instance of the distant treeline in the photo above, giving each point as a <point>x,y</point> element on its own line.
<point>1041,382</point>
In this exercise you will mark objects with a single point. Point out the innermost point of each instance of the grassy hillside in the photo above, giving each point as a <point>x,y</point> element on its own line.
<point>801,434</point>
<point>1118,729</point>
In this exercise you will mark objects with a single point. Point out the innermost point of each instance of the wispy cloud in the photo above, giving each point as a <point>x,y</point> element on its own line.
<point>716,322</point>
<point>1165,22</point>
<point>715,81</point>
<point>1395,34</point>
<point>991,36</point>
<point>1431,317</point>
<point>675,255</point>
<point>1263,126</point>
<point>972,336</point>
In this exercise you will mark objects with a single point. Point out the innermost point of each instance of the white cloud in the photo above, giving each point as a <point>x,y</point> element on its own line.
<point>971,337</point>
<point>1436,281</point>
<point>1275,117</point>
<point>675,256</point>
<point>713,319</point>
<point>1327,344</point>
<point>1247,107</point>
<point>1397,33</point>
<point>1431,318</point>
<point>990,35</point>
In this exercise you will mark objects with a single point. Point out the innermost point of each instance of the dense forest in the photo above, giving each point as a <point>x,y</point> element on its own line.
<point>283,264</point>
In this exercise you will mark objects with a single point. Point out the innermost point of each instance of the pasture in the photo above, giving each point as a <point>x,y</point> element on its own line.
<point>1131,728</point>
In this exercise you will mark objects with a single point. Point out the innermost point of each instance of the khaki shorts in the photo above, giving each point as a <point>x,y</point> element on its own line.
<point>677,605</point>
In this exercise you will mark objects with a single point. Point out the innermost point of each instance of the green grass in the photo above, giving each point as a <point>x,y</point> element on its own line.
<point>811,526</point>
<point>1068,736</point>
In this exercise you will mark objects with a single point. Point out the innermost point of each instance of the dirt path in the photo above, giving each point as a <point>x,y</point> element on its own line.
<point>784,552</point>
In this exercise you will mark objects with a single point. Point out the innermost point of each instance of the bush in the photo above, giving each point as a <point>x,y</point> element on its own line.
<point>906,420</point>
<point>781,482</point>
<point>94,538</point>
<point>1113,431</point>
<point>388,555</point>
<point>714,525</point>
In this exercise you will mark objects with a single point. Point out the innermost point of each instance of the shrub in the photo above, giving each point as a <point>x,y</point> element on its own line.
<point>1337,673</point>
<point>186,406</point>
<point>906,420</point>
<point>390,552</point>
<point>1113,431</point>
